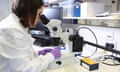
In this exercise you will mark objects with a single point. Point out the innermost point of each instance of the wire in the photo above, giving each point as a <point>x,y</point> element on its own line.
<point>111,64</point>
<point>93,35</point>
<point>112,58</point>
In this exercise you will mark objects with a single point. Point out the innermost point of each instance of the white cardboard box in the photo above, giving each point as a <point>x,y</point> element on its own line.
<point>90,9</point>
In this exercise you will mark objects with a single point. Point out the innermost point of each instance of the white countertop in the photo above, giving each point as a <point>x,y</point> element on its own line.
<point>77,68</point>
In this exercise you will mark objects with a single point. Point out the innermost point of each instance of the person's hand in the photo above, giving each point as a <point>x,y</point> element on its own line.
<point>44,51</point>
<point>56,53</point>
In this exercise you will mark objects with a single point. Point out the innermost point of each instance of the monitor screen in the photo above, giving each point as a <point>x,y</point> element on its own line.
<point>53,12</point>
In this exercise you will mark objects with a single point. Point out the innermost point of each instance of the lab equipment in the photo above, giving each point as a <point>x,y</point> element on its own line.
<point>53,12</point>
<point>72,43</point>
<point>44,19</point>
<point>40,28</point>
<point>77,43</point>
<point>56,31</point>
<point>68,46</point>
<point>108,47</point>
<point>76,8</point>
<point>89,64</point>
<point>42,35</point>
<point>91,9</point>
<point>61,38</point>
<point>67,6</point>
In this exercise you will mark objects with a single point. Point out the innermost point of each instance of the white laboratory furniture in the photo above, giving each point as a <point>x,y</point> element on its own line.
<point>77,68</point>
<point>107,21</point>
<point>92,18</point>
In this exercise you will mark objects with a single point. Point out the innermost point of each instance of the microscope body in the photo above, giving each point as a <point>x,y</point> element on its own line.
<point>61,38</point>
<point>65,44</point>
<point>56,31</point>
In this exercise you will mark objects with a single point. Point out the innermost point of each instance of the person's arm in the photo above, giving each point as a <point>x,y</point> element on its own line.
<point>16,48</point>
<point>24,64</point>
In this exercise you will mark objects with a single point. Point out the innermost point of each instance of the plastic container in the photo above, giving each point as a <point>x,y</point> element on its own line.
<point>76,9</point>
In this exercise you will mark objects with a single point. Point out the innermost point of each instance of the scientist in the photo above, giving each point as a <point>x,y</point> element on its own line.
<point>16,52</point>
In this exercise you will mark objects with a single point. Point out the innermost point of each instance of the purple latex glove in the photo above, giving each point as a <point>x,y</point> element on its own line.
<point>44,51</point>
<point>56,53</point>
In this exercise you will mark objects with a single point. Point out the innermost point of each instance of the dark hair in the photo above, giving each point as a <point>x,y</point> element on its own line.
<point>26,10</point>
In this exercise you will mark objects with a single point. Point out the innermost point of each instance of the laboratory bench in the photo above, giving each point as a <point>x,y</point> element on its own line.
<point>74,65</point>
<point>78,68</point>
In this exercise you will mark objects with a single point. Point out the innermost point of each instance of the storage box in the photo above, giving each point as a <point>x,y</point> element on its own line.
<point>90,9</point>
<point>89,64</point>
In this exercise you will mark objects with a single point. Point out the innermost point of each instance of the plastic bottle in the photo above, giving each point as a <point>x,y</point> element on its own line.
<point>76,8</point>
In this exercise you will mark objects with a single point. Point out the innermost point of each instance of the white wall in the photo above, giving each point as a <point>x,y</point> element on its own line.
<point>5,8</point>
<point>103,34</point>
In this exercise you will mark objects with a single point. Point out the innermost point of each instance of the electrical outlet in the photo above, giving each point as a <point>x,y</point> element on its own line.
<point>112,42</point>
<point>105,52</point>
<point>109,46</point>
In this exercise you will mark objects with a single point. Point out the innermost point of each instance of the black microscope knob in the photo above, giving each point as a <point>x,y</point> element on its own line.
<point>58,62</point>
<point>54,28</point>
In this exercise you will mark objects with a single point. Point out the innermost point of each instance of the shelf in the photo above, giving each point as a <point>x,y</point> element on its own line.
<point>91,18</point>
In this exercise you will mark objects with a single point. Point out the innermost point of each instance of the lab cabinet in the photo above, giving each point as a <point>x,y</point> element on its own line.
<point>110,6</point>
<point>96,21</point>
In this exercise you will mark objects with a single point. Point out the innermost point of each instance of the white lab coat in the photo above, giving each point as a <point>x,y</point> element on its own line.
<point>16,53</point>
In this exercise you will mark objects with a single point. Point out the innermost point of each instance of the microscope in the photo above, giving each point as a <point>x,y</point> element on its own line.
<point>73,43</point>
<point>69,42</point>
<point>57,37</point>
